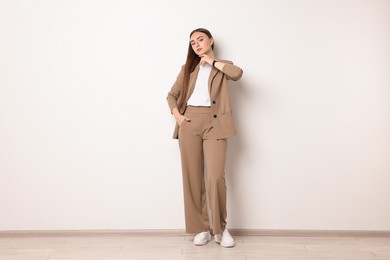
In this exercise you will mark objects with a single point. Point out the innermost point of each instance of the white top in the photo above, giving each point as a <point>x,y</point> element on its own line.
<point>201,95</point>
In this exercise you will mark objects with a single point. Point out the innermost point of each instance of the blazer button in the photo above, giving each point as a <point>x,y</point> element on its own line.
<point>214,102</point>
<point>215,116</point>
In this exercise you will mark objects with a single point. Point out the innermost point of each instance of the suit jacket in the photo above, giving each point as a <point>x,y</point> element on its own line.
<point>221,115</point>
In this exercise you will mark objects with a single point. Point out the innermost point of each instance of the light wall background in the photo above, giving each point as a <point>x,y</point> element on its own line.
<point>85,130</point>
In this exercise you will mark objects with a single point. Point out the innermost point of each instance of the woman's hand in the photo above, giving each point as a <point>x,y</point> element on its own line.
<point>181,119</point>
<point>206,59</point>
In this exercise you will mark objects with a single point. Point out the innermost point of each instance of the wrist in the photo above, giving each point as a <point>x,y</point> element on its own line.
<point>175,112</point>
<point>176,115</point>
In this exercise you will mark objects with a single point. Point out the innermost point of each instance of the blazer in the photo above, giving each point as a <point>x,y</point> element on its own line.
<point>221,116</point>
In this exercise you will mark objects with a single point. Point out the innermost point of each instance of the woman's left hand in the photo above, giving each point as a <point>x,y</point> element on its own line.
<point>206,59</point>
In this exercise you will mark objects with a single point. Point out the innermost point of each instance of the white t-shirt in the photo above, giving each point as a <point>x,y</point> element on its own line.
<point>201,96</point>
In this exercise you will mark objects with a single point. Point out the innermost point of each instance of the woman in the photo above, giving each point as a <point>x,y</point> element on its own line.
<point>200,103</point>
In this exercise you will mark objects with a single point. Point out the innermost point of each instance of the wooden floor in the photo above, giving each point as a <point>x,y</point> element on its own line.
<point>179,246</point>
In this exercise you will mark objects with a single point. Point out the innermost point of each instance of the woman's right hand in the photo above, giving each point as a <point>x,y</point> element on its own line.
<point>180,119</point>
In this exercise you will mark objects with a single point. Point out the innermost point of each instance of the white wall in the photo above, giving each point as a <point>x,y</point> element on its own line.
<point>85,131</point>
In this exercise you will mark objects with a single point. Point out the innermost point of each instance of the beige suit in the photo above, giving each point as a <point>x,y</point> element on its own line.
<point>203,145</point>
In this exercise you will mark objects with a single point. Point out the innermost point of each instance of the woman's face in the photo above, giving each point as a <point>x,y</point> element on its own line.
<point>201,43</point>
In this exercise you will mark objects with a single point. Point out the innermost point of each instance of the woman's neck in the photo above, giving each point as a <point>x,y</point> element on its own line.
<point>211,54</point>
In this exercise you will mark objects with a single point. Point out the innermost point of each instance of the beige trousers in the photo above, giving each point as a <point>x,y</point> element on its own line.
<point>201,151</point>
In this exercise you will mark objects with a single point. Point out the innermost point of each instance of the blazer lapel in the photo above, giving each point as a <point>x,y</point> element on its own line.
<point>213,72</point>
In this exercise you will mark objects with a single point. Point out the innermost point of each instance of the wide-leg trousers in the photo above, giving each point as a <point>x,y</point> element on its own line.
<point>200,151</point>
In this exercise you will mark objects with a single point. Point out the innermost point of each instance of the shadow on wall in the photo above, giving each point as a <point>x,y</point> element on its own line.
<point>238,147</point>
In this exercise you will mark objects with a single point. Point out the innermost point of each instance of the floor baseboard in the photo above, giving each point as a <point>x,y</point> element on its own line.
<point>311,233</point>
<point>181,232</point>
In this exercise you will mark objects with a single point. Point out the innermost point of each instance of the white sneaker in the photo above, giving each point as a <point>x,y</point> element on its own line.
<point>202,238</point>
<point>225,239</point>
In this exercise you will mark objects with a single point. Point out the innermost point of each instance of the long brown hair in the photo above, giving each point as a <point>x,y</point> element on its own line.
<point>191,62</point>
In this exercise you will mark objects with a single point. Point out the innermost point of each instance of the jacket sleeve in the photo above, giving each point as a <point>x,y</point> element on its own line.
<point>174,94</point>
<point>232,71</point>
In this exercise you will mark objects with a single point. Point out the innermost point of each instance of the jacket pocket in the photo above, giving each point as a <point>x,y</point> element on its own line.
<point>227,124</point>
